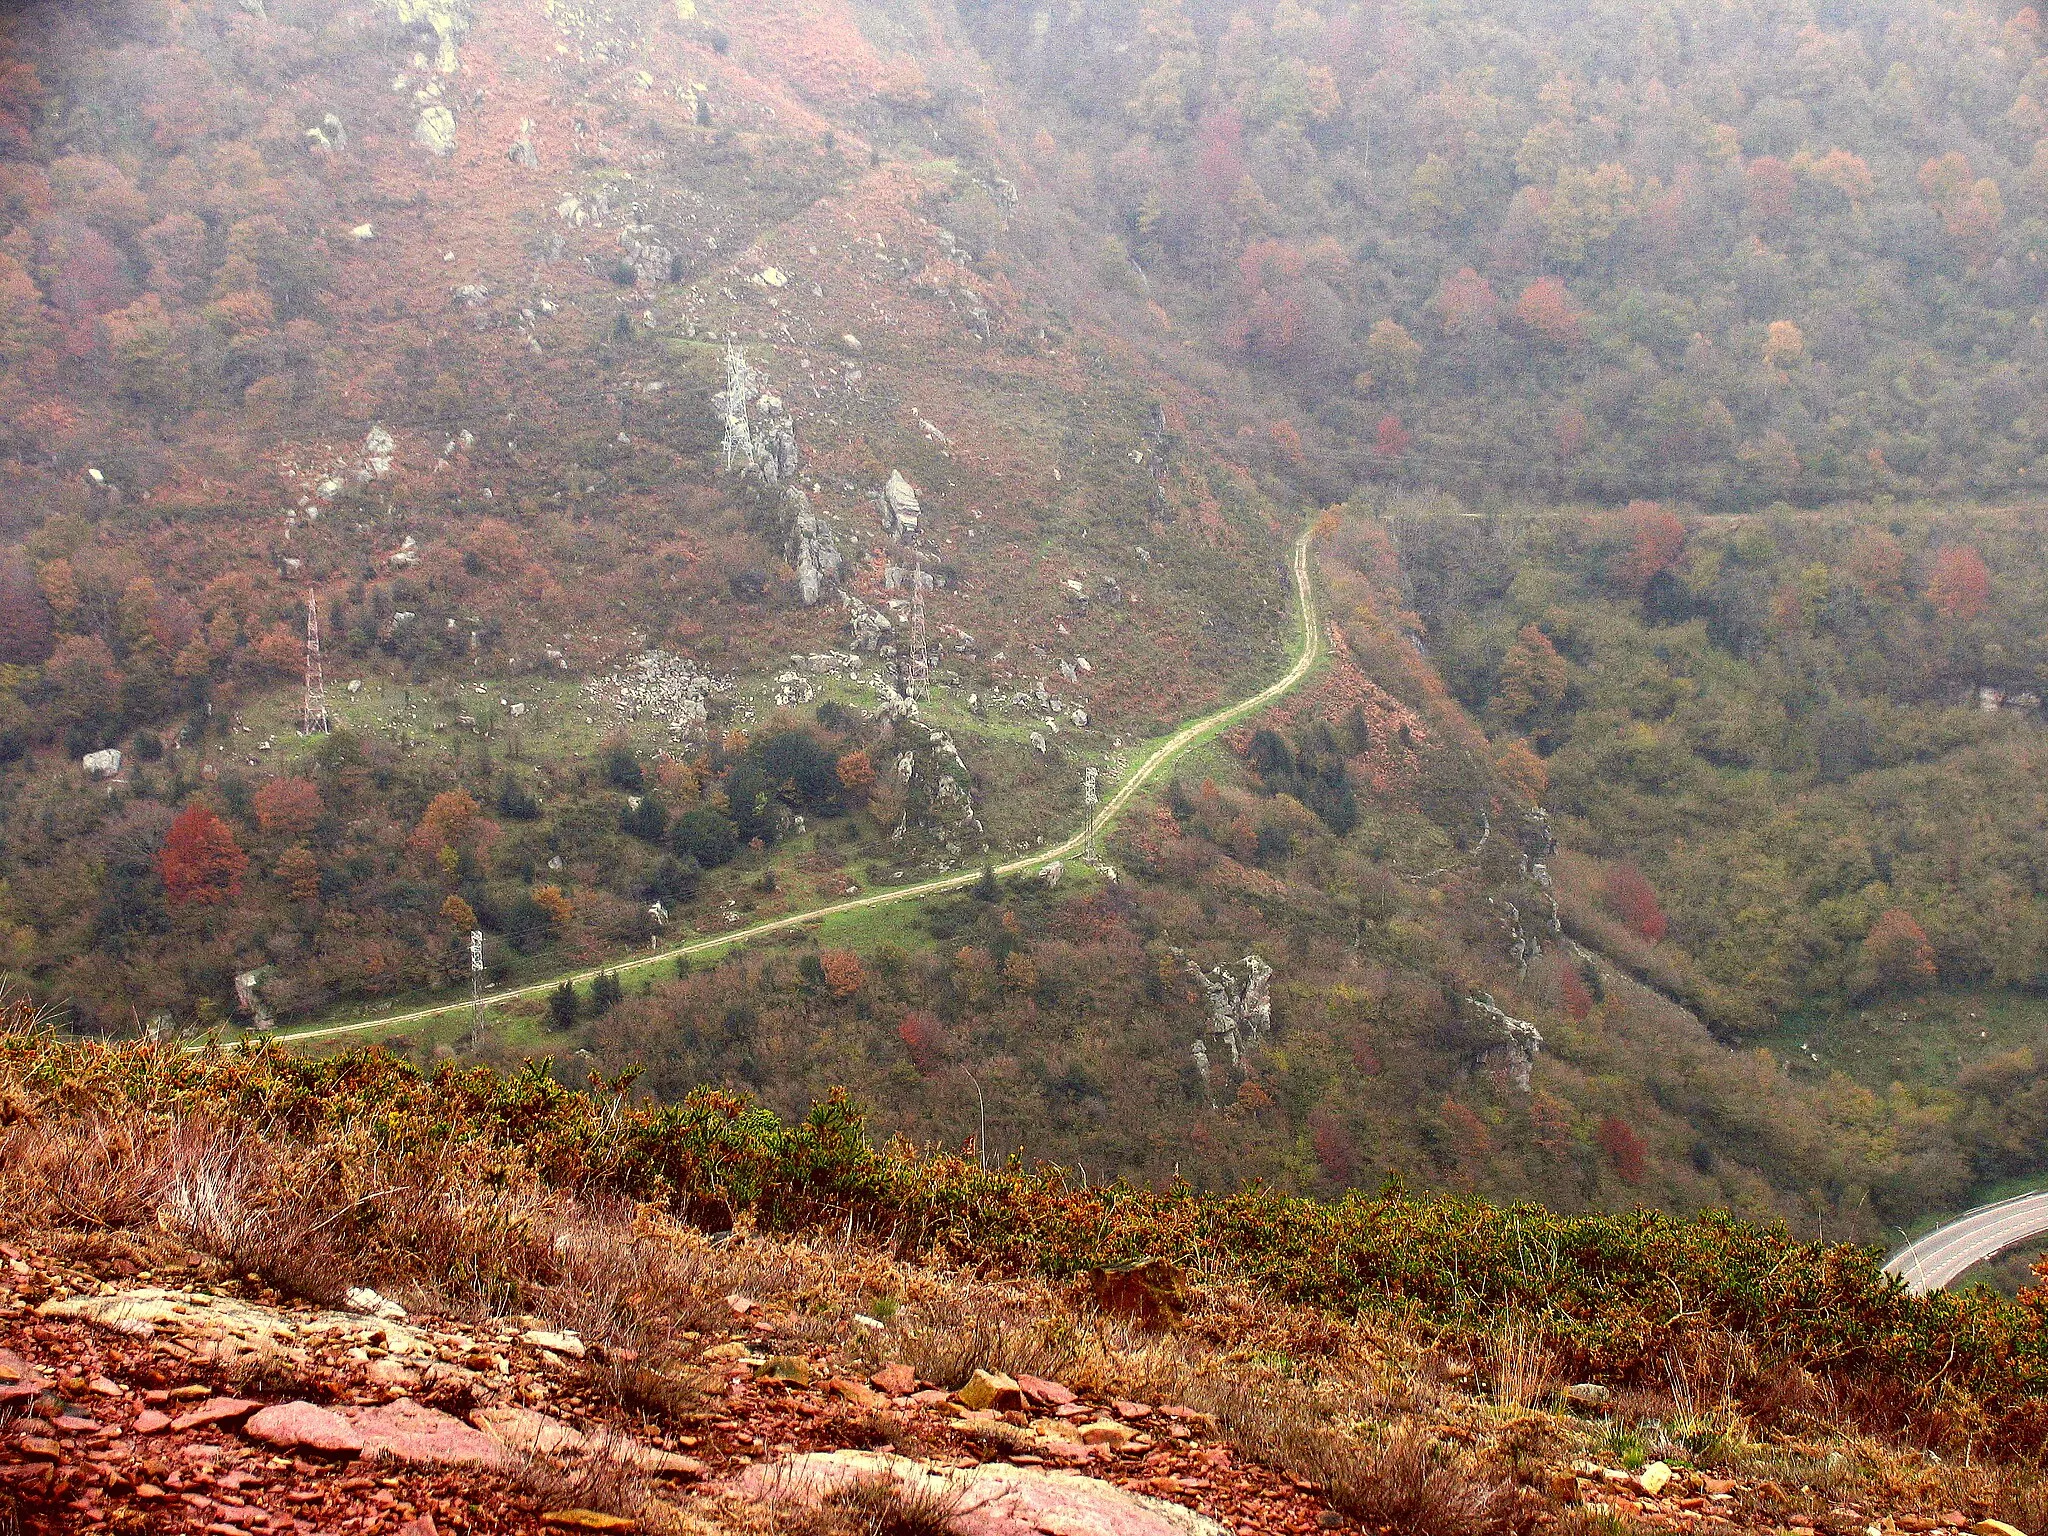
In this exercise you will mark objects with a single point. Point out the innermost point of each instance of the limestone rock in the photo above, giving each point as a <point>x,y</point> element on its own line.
<point>866,628</point>
<point>1240,1005</point>
<point>103,764</point>
<point>360,1298</point>
<point>522,153</point>
<point>1654,1478</point>
<point>900,510</point>
<point>303,1426</point>
<point>995,1499</point>
<point>1587,1394</point>
<point>559,1343</point>
<point>1519,1040</point>
<point>528,1432</point>
<point>435,131</point>
<point>991,1389</point>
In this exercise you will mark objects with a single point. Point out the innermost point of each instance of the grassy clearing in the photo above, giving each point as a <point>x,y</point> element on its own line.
<point>1921,1040</point>
<point>1151,763</point>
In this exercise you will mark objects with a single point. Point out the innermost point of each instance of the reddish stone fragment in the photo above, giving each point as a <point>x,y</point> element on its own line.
<point>897,1380</point>
<point>408,1431</point>
<point>302,1425</point>
<point>151,1422</point>
<point>218,1410</point>
<point>1047,1394</point>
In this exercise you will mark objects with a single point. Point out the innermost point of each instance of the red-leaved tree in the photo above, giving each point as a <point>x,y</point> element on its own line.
<point>1624,1148</point>
<point>1959,586</point>
<point>201,863</point>
<point>1897,952</point>
<point>1630,897</point>
<point>924,1036</point>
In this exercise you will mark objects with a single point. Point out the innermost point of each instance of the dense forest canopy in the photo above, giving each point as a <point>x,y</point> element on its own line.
<point>1735,253</point>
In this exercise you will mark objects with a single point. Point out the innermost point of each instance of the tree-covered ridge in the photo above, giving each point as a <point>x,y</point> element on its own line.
<point>1737,253</point>
<point>1819,737</point>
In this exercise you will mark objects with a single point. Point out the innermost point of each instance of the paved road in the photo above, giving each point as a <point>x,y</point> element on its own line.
<point>1162,756</point>
<point>1938,1258</point>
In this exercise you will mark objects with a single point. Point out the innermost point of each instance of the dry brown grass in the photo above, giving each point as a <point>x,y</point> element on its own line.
<point>434,1228</point>
<point>1400,1477</point>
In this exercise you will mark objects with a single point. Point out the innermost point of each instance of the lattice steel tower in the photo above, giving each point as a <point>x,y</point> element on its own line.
<point>314,717</point>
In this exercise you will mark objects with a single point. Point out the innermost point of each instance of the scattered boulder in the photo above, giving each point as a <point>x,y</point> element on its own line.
<point>103,764</point>
<point>360,1298</point>
<point>991,1389</point>
<point>1044,1393</point>
<point>900,511</point>
<point>1588,1395</point>
<point>897,1380</point>
<point>522,153</point>
<point>563,1343</point>
<point>215,1410</point>
<point>528,1432</point>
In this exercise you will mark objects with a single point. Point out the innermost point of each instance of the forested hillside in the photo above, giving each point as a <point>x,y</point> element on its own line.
<point>1731,253</point>
<point>1663,386</point>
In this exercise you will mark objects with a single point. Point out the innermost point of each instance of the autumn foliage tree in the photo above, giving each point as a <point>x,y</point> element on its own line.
<point>1656,538</point>
<point>1533,676</point>
<point>1959,585</point>
<point>201,863</point>
<point>1625,1149</point>
<point>288,808</point>
<point>1630,896</point>
<point>924,1036</point>
<point>843,973</point>
<point>1896,952</point>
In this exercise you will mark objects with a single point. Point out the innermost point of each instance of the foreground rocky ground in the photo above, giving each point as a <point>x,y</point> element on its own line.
<point>149,1387</point>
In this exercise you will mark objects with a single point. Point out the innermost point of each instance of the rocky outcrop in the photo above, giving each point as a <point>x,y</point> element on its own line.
<point>448,19</point>
<point>812,548</point>
<point>900,510</point>
<point>1240,1002</point>
<point>938,801</point>
<point>760,444</point>
<point>435,130</point>
<point>521,153</point>
<point>867,629</point>
<point>1515,1051</point>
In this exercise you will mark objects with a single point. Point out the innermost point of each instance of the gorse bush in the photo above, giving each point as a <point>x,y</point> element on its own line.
<point>1619,1295</point>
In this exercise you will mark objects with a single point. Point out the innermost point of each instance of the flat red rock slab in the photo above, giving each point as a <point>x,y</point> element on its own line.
<point>1049,1394</point>
<point>151,1422</point>
<point>216,1410</point>
<point>304,1426</point>
<point>408,1431</point>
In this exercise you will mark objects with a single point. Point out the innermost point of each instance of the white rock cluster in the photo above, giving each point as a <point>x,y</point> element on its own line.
<point>662,686</point>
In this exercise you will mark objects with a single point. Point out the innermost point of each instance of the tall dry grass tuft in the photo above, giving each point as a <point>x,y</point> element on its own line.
<point>1522,1371</point>
<point>1402,1479</point>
